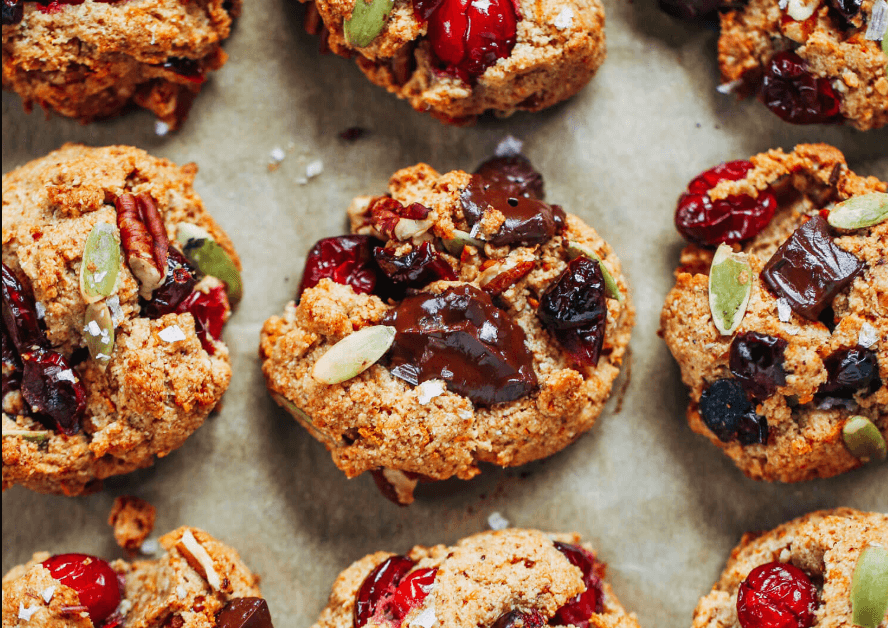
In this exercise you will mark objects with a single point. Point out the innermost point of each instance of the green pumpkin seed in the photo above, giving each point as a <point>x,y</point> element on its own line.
<point>100,264</point>
<point>367,21</point>
<point>859,212</point>
<point>210,258</point>
<point>31,435</point>
<point>863,439</point>
<point>611,289</point>
<point>98,332</point>
<point>869,587</point>
<point>459,241</point>
<point>730,285</point>
<point>354,354</point>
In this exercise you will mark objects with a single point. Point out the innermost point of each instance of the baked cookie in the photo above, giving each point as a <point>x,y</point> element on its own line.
<point>810,62</point>
<point>88,59</point>
<point>459,58</point>
<point>828,568</point>
<point>499,324</point>
<point>116,286</point>
<point>506,579</point>
<point>198,582</point>
<point>782,333</point>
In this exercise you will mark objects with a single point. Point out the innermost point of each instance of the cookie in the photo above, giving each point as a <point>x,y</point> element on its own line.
<point>89,59</point>
<point>197,582</point>
<point>457,59</point>
<point>828,568</point>
<point>133,520</point>
<point>781,332</point>
<point>505,579</point>
<point>116,286</point>
<point>465,320</point>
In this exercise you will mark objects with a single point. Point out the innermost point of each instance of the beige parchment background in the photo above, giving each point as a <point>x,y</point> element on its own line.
<point>663,507</point>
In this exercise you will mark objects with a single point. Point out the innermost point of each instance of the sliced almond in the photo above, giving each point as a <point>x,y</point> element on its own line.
<point>354,354</point>
<point>196,556</point>
<point>408,228</point>
<point>730,286</point>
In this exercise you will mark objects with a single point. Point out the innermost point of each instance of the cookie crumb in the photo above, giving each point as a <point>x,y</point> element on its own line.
<point>497,522</point>
<point>868,336</point>
<point>173,333</point>
<point>509,146</point>
<point>133,520</point>
<point>47,594</point>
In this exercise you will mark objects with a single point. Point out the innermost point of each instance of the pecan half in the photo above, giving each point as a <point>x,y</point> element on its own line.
<point>394,221</point>
<point>144,240</point>
<point>497,278</point>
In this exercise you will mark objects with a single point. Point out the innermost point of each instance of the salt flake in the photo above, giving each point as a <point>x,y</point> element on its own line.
<point>878,22</point>
<point>93,329</point>
<point>314,168</point>
<point>497,522</point>
<point>277,155</point>
<point>173,333</point>
<point>426,619</point>
<point>41,309</point>
<point>47,594</point>
<point>149,547</point>
<point>564,19</point>
<point>729,87</point>
<point>161,128</point>
<point>429,390</point>
<point>67,376</point>
<point>868,336</point>
<point>116,313</point>
<point>784,311</point>
<point>509,146</point>
<point>25,614</point>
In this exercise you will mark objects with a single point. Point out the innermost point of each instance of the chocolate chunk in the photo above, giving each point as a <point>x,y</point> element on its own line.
<point>461,337</point>
<point>515,175</point>
<point>809,270</point>
<point>244,612</point>
<point>419,267</point>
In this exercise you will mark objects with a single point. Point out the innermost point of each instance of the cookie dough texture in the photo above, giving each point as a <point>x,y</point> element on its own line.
<point>559,46</point>
<point>90,60</point>
<point>855,66</point>
<point>805,438</point>
<point>483,577</point>
<point>153,394</point>
<point>825,545</point>
<point>168,591</point>
<point>378,421</point>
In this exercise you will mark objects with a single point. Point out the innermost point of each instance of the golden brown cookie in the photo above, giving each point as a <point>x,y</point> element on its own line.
<point>792,383</point>
<point>827,568</point>
<point>116,285</point>
<point>90,59</point>
<point>457,59</point>
<point>497,330</point>
<point>505,579</point>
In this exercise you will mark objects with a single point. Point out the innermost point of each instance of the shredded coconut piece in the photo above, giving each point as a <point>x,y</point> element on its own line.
<point>509,146</point>
<point>25,614</point>
<point>173,333</point>
<point>878,22</point>
<point>868,336</point>
<point>429,390</point>
<point>426,619</point>
<point>161,128</point>
<point>200,555</point>
<point>149,547</point>
<point>41,309</point>
<point>730,87</point>
<point>47,594</point>
<point>784,311</point>
<point>314,168</point>
<point>497,522</point>
<point>564,19</point>
<point>181,593</point>
<point>277,155</point>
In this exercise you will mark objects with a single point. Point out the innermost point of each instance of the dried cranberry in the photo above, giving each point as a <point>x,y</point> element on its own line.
<point>515,175</point>
<point>12,365</point>
<point>52,391</point>
<point>13,11</point>
<point>727,412</point>
<point>468,36</point>
<point>573,308</point>
<point>244,612</point>
<point>209,310</point>
<point>186,68</point>
<point>851,371</point>
<point>411,592</point>
<point>776,595</point>
<point>517,619</point>
<point>96,584</point>
<point>347,260</point>
<point>809,270</point>
<point>379,584</point>
<point>706,222</point>
<point>419,267</point>
<point>578,611</point>
<point>461,337</point>
<point>794,94</point>
<point>847,8</point>
<point>756,360</point>
<point>20,315</point>
<point>180,280</point>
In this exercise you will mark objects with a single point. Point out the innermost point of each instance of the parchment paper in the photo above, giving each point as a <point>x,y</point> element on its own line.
<point>663,506</point>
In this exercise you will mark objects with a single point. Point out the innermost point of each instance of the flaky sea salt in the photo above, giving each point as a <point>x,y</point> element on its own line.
<point>149,547</point>
<point>868,335</point>
<point>47,594</point>
<point>497,522</point>
<point>877,29</point>
<point>784,311</point>
<point>510,145</point>
<point>426,619</point>
<point>173,333</point>
<point>25,614</point>
<point>729,87</point>
<point>314,168</point>
<point>116,313</point>
<point>93,329</point>
<point>564,19</point>
<point>161,128</point>
<point>40,308</point>
<point>429,390</point>
<point>277,155</point>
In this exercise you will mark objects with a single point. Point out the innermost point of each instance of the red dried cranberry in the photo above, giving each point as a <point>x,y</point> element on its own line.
<point>96,584</point>
<point>52,391</point>
<point>180,280</point>
<point>13,11</point>
<point>727,412</point>
<point>419,267</point>
<point>20,314</point>
<point>578,611</point>
<point>809,270</point>
<point>573,308</point>
<point>795,95</point>
<point>12,365</point>
<point>851,371</point>
<point>411,592</point>
<point>244,612</point>
<point>706,222</point>
<point>461,337</point>
<point>776,595</point>
<point>515,175</point>
<point>756,360</point>
<point>517,619</point>
<point>347,260</point>
<point>468,36</point>
<point>209,310</point>
<point>379,584</point>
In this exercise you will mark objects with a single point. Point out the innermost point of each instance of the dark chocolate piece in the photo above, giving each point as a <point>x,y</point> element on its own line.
<point>244,612</point>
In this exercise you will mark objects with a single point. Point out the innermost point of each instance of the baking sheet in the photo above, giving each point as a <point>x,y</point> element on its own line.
<point>663,506</point>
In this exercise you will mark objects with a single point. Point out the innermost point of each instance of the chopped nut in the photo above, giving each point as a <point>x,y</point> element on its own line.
<point>196,556</point>
<point>144,240</point>
<point>499,277</point>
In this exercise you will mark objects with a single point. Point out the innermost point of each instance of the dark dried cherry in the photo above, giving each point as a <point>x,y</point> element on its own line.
<point>518,619</point>
<point>13,11</point>
<point>578,610</point>
<point>96,584</point>
<point>776,595</point>
<point>706,222</point>
<point>756,360</point>
<point>180,280</point>
<point>461,337</point>
<point>515,175</point>
<point>419,267</point>
<point>244,612</point>
<point>573,308</point>
<point>728,413</point>
<point>346,260</point>
<point>851,371</point>
<point>378,585</point>
<point>20,314</point>
<point>797,96</point>
<point>52,391</point>
<point>847,8</point>
<point>209,309</point>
